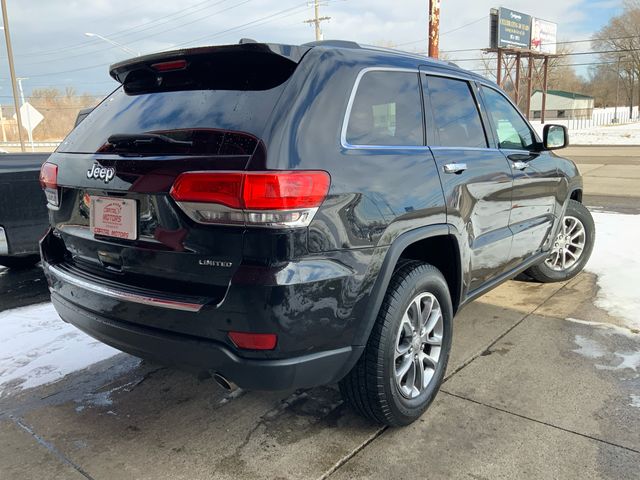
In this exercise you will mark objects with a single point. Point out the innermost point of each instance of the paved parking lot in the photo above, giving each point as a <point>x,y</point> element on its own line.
<point>541,384</point>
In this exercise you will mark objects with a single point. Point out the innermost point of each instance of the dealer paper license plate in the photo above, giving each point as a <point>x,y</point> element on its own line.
<point>114,217</point>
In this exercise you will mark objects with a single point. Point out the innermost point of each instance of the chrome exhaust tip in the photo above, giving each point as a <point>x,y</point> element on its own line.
<point>228,385</point>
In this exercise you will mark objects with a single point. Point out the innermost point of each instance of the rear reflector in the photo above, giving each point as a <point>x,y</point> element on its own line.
<point>254,341</point>
<point>49,182</point>
<point>275,198</point>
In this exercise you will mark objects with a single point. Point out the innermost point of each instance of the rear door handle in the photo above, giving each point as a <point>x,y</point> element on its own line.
<point>455,167</point>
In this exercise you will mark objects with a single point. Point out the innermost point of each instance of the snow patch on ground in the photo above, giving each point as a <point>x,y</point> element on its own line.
<point>588,347</point>
<point>607,135</point>
<point>616,262</point>
<point>627,134</point>
<point>37,347</point>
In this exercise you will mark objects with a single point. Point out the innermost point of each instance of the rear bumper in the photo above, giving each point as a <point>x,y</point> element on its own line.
<point>200,354</point>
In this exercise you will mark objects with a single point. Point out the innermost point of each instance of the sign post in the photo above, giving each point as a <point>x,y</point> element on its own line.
<point>31,118</point>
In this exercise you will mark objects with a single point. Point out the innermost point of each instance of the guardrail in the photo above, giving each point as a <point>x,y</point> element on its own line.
<point>28,144</point>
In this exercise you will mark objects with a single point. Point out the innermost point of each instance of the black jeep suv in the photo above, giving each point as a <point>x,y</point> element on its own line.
<point>290,216</point>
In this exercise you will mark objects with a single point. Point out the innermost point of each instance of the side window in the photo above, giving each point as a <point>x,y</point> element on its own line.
<point>512,131</point>
<point>386,110</point>
<point>457,120</point>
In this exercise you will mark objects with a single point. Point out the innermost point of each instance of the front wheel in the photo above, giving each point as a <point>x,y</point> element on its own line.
<point>571,248</point>
<point>405,359</point>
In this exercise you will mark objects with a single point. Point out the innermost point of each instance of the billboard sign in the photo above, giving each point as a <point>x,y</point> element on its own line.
<point>514,29</point>
<point>543,36</point>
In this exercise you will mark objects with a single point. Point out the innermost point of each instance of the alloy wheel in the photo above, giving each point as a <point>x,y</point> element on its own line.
<point>568,246</point>
<point>418,345</point>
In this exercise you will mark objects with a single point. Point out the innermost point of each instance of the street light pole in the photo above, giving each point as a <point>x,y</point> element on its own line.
<point>12,71</point>
<point>113,42</point>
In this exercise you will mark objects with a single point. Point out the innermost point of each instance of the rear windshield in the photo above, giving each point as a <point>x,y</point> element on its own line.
<point>205,120</point>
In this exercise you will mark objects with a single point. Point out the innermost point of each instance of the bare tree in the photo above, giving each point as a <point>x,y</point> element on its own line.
<point>620,42</point>
<point>59,110</point>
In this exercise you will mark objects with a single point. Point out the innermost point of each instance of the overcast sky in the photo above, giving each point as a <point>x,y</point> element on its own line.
<point>50,47</point>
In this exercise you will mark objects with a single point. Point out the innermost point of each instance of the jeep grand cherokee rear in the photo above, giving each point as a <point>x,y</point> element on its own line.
<point>291,216</point>
<point>174,239</point>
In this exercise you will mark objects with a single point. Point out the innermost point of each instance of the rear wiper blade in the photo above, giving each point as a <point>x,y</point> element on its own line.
<point>144,140</point>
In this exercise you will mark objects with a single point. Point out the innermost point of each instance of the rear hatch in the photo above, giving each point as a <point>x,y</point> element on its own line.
<point>192,110</point>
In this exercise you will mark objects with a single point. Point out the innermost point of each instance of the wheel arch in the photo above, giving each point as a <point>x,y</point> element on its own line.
<point>576,194</point>
<point>424,244</point>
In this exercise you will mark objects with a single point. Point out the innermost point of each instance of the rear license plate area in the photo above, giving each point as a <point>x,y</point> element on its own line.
<point>114,217</point>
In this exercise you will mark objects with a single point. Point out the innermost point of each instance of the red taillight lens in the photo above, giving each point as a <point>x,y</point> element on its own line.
<point>254,190</point>
<point>49,182</point>
<point>222,188</point>
<point>49,175</point>
<point>284,190</point>
<point>254,341</point>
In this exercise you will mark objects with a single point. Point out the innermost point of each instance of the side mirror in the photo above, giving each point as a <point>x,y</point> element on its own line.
<point>555,137</point>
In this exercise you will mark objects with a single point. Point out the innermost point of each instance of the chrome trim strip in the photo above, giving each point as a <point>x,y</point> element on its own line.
<point>126,296</point>
<point>347,113</point>
<point>4,243</point>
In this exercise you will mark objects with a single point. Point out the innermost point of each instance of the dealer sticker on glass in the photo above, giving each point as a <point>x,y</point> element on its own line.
<point>114,217</point>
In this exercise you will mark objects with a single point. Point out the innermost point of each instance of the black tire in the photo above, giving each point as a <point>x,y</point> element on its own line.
<point>544,273</point>
<point>19,263</point>
<point>370,387</point>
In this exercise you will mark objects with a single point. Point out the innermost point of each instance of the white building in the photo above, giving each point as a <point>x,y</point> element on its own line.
<point>561,104</point>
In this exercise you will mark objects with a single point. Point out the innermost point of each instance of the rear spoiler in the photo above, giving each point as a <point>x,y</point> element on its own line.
<point>205,58</point>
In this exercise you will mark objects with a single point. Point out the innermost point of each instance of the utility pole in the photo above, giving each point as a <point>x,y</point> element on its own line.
<point>434,28</point>
<point>615,114</point>
<point>317,19</point>
<point>12,71</point>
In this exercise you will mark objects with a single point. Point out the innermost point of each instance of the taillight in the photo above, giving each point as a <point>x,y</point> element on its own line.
<point>277,198</point>
<point>49,182</point>
<point>254,341</point>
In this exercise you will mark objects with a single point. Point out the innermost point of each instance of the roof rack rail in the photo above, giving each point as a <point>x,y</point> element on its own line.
<point>332,43</point>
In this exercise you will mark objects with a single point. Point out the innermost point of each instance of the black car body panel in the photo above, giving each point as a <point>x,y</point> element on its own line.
<point>23,213</point>
<point>318,287</point>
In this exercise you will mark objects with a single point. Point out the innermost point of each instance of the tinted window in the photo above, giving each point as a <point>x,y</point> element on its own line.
<point>201,117</point>
<point>386,110</point>
<point>457,120</point>
<point>512,131</point>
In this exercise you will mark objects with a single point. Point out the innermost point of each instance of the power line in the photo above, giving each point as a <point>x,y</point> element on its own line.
<point>490,69</point>
<point>239,27</point>
<point>551,43</point>
<point>181,25</point>
<point>445,33</point>
<point>119,33</point>
<point>260,20</point>
<point>563,55</point>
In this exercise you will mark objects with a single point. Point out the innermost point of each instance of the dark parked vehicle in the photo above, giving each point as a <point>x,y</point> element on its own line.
<point>24,219</point>
<point>291,216</point>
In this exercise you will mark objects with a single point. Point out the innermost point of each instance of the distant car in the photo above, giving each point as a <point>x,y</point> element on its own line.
<point>82,114</point>
<point>287,216</point>
<point>24,217</point>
